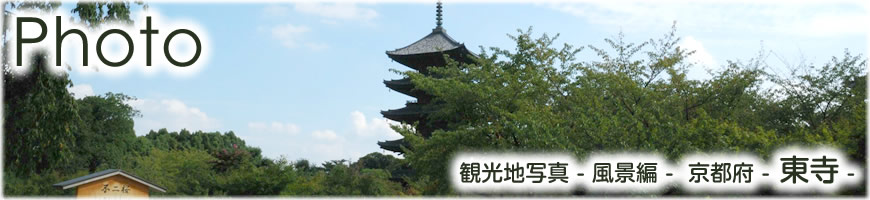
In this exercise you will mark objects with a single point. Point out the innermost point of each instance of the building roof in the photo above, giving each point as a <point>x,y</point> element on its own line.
<point>437,41</point>
<point>429,50</point>
<point>105,174</point>
<point>404,86</point>
<point>410,113</point>
<point>394,145</point>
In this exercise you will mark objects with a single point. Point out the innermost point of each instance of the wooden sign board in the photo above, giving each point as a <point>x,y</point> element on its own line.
<point>114,186</point>
<point>110,183</point>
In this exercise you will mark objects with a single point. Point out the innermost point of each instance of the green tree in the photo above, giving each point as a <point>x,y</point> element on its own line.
<point>340,178</point>
<point>37,184</point>
<point>44,113</point>
<point>40,117</point>
<point>181,172</point>
<point>249,179</point>
<point>827,104</point>
<point>106,137</point>
<point>229,159</point>
<point>376,160</point>
<point>635,97</point>
<point>310,184</point>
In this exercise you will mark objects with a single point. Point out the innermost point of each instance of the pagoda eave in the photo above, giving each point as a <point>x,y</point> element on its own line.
<point>422,61</point>
<point>404,117</point>
<point>404,86</point>
<point>412,112</point>
<point>394,145</point>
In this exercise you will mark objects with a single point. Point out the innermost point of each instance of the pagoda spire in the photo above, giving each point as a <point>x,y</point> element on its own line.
<point>438,15</point>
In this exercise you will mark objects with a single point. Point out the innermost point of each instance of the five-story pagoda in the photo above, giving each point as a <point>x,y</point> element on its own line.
<point>420,55</point>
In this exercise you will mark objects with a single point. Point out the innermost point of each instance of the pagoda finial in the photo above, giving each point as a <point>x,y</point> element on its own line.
<point>438,15</point>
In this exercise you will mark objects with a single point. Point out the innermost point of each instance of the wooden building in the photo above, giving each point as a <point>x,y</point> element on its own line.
<point>110,183</point>
<point>420,56</point>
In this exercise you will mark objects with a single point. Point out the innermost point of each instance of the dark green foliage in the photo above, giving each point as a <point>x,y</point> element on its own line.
<point>341,179</point>
<point>106,136</point>
<point>44,112</point>
<point>637,97</point>
<point>37,184</point>
<point>249,179</point>
<point>230,159</point>
<point>40,118</point>
<point>181,172</point>
<point>379,161</point>
<point>826,104</point>
<point>211,142</point>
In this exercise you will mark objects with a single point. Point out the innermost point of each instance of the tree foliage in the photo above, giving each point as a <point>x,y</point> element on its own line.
<point>635,97</point>
<point>45,114</point>
<point>40,118</point>
<point>106,135</point>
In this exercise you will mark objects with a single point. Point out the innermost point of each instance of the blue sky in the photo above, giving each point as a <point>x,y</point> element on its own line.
<point>303,80</point>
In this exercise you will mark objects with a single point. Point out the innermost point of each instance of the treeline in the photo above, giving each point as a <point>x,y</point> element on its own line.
<point>635,97</point>
<point>213,164</point>
<point>50,137</point>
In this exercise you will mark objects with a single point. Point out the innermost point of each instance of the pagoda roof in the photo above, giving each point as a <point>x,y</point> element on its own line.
<point>394,145</point>
<point>410,113</point>
<point>430,51</point>
<point>437,41</point>
<point>404,86</point>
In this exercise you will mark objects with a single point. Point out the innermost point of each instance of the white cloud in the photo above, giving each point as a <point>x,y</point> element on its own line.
<point>376,126</point>
<point>701,55</point>
<point>274,127</point>
<point>81,90</point>
<point>702,60</point>
<point>337,11</point>
<point>808,19</point>
<point>171,114</point>
<point>325,135</point>
<point>289,34</point>
<point>292,36</point>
